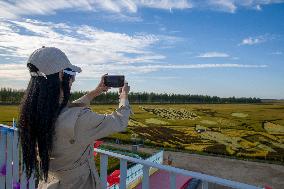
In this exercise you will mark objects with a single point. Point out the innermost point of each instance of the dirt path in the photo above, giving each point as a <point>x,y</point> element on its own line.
<point>259,174</point>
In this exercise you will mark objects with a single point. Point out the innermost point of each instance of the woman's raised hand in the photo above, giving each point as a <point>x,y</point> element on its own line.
<point>102,87</point>
<point>123,91</point>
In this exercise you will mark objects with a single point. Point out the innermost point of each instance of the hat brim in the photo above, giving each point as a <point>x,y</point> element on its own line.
<point>75,68</point>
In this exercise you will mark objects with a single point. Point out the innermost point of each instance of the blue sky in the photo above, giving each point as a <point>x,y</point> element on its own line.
<point>214,47</point>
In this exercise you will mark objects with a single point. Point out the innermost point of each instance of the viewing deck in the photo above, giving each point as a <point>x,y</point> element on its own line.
<point>166,176</point>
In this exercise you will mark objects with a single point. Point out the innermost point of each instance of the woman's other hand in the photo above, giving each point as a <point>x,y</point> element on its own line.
<point>123,91</point>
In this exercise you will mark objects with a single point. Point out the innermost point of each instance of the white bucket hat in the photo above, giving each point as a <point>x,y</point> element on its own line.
<point>50,60</point>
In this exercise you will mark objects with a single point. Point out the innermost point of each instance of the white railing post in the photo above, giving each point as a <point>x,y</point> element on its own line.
<point>173,180</point>
<point>9,174</point>
<point>123,174</point>
<point>3,136</point>
<point>15,154</point>
<point>145,180</point>
<point>103,170</point>
<point>204,184</point>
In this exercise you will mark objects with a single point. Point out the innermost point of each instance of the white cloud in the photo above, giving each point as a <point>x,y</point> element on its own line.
<point>123,8</point>
<point>95,50</point>
<point>13,71</point>
<point>20,8</point>
<point>83,44</point>
<point>258,7</point>
<point>200,66</point>
<point>224,5</point>
<point>277,53</point>
<point>20,72</point>
<point>232,6</point>
<point>213,55</point>
<point>133,5</point>
<point>33,7</point>
<point>165,4</point>
<point>156,67</point>
<point>120,18</point>
<point>253,40</point>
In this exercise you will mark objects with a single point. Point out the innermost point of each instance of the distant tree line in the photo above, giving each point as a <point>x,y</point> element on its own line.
<point>14,96</point>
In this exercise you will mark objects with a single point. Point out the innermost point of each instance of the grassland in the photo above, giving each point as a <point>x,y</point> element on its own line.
<point>249,131</point>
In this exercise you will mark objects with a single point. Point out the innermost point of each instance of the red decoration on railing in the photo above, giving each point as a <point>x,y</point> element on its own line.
<point>113,178</point>
<point>96,145</point>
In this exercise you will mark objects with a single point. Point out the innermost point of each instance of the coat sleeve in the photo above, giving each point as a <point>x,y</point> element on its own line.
<point>91,126</point>
<point>82,100</point>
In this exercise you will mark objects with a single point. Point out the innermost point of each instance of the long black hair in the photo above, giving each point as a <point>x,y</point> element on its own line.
<point>39,110</point>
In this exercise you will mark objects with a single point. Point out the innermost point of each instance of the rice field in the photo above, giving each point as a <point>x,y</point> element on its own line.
<point>248,131</point>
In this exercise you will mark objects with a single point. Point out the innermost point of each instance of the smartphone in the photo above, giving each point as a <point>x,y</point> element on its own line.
<point>114,80</point>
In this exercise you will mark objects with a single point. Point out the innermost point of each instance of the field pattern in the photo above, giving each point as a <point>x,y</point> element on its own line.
<point>249,131</point>
<point>253,131</point>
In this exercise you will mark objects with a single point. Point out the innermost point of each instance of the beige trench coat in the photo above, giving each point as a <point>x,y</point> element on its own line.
<point>72,163</point>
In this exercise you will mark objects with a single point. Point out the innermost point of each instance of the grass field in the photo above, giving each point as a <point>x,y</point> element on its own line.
<point>249,131</point>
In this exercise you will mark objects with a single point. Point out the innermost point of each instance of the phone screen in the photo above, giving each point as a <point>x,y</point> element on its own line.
<point>114,80</point>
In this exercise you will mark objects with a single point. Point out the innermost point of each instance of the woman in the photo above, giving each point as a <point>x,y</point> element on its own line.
<point>57,137</point>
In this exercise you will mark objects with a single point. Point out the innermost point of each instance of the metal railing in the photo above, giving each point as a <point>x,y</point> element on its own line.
<point>172,170</point>
<point>10,176</point>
